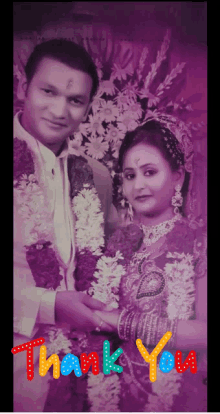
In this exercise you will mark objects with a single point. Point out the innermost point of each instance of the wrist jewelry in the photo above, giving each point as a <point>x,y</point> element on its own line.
<point>121,323</point>
<point>128,326</point>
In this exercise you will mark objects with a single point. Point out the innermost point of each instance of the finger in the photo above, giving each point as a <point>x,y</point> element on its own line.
<point>100,323</point>
<point>105,316</point>
<point>108,308</point>
<point>93,303</point>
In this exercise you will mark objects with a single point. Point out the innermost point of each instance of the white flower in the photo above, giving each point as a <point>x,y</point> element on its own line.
<point>109,111</point>
<point>119,73</point>
<point>122,101</point>
<point>130,90</point>
<point>181,288</point>
<point>152,99</point>
<point>89,224</point>
<point>58,342</point>
<point>165,387</point>
<point>96,104</point>
<point>135,110</point>
<point>113,134</point>
<point>126,123</point>
<point>103,392</point>
<point>95,125</point>
<point>96,147</point>
<point>107,87</point>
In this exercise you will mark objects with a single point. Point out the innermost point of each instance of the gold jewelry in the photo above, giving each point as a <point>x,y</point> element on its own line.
<point>130,212</point>
<point>177,200</point>
<point>154,233</point>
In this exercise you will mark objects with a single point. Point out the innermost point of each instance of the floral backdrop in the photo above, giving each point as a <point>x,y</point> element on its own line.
<point>133,86</point>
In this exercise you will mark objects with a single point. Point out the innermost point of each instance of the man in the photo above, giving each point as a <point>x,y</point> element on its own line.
<point>59,84</point>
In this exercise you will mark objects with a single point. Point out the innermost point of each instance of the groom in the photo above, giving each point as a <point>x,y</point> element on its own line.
<point>59,85</point>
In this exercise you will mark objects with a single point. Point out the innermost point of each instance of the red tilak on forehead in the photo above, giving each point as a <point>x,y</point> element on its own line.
<point>69,84</point>
<point>136,161</point>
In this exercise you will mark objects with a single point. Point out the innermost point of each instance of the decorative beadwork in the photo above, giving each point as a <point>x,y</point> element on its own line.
<point>153,233</point>
<point>155,277</point>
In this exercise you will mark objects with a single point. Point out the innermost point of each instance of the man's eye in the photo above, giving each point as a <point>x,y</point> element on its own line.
<point>47,91</point>
<point>76,101</point>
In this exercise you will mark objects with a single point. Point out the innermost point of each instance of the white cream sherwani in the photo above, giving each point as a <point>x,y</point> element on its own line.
<point>34,306</point>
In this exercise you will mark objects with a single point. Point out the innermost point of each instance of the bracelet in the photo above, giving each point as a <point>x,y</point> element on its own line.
<point>121,323</point>
<point>128,326</point>
<point>140,326</point>
<point>134,327</point>
<point>154,330</point>
<point>161,329</point>
<point>146,329</point>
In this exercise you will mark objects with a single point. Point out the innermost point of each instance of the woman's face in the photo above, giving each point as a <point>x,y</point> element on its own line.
<point>148,181</point>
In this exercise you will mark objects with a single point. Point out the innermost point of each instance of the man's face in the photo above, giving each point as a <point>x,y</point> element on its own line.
<point>56,102</point>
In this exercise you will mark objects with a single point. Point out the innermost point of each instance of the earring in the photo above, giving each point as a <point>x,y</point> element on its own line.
<point>125,203</point>
<point>130,212</point>
<point>177,200</point>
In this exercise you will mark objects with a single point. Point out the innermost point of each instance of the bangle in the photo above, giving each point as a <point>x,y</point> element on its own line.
<point>154,330</point>
<point>140,326</point>
<point>128,326</point>
<point>162,329</point>
<point>121,323</point>
<point>134,327</point>
<point>146,329</point>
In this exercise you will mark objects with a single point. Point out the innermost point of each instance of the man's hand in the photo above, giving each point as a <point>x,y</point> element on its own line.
<point>109,318</point>
<point>77,309</point>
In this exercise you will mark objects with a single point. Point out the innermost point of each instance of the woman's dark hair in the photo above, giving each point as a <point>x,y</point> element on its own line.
<point>155,135</point>
<point>67,52</point>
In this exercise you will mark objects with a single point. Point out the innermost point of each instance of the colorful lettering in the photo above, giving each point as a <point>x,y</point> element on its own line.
<point>28,346</point>
<point>166,362</point>
<point>108,361</point>
<point>189,362</point>
<point>45,364</point>
<point>152,358</point>
<point>86,361</point>
<point>70,363</point>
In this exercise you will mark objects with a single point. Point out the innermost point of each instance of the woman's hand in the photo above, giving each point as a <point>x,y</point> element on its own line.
<point>110,318</point>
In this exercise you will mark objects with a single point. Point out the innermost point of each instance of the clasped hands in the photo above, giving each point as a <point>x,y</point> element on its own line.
<point>84,313</point>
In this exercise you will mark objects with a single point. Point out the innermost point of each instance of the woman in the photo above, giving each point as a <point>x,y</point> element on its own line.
<point>164,287</point>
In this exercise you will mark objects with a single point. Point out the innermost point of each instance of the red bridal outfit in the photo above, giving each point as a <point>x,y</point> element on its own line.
<point>157,290</point>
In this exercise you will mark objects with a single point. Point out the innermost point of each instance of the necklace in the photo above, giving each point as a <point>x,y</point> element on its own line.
<point>154,233</point>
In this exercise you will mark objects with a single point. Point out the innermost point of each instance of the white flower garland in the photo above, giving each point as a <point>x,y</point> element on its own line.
<point>104,392</point>
<point>89,224</point>
<point>108,276</point>
<point>164,389</point>
<point>180,300</point>
<point>180,285</point>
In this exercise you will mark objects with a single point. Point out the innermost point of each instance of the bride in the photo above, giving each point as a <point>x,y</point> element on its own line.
<point>161,285</point>
<point>164,286</point>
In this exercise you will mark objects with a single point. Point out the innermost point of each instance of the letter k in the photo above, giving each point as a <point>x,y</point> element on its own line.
<point>108,361</point>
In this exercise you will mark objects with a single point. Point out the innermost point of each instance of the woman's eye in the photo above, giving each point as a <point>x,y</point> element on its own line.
<point>149,172</point>
<point>129,176</point>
